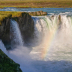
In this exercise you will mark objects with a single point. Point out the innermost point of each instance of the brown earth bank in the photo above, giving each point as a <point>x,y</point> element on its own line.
<point>59,4</point>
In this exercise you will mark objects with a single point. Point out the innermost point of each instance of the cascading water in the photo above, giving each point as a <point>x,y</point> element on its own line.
<point>57,35</point>
<point>16,34</point>
<point>52,45</point>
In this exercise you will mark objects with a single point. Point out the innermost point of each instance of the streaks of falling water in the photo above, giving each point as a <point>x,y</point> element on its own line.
<point>16,34</point>
<point>56,34</point>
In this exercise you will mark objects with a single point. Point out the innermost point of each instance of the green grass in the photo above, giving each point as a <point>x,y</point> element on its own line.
<point>6,14</point>
<point>7,64</point>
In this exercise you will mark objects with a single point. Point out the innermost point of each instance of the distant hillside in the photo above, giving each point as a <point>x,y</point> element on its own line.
<point>36,3</point>
<point>34,0</point>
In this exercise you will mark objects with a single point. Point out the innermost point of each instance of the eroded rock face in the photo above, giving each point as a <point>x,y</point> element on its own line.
<point>37,13</point>
<point>26,25</point>
<point>5,32</point>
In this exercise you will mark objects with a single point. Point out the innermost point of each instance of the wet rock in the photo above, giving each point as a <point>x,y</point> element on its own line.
<point>26,25</point>
<point>5,32</point>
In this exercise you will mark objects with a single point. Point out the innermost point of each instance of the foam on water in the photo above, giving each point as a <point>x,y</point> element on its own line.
<point>51,47</point>
<point>16,34</point>
<point>21,56</point>
<point>56,38</point>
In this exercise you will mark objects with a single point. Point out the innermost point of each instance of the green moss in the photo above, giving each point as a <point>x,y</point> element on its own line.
<point>8,65</point>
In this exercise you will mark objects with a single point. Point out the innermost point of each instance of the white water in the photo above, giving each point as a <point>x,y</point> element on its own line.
<point>59,55</point>
<point>16,34</point>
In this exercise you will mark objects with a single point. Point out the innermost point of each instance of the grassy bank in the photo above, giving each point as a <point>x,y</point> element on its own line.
<point>8,65</point>
<point>35,3</point>
<point>7,14</point>
<point>14,14</point>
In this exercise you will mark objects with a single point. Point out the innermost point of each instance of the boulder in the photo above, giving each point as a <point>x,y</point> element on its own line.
<point>5,32</point>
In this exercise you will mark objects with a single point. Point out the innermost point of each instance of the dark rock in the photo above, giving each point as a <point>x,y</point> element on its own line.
<point>5,32</point>
<point>26,25</point>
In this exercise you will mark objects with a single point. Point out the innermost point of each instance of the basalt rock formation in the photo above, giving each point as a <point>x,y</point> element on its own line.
<point>26,25</point>
<point>5,32</point>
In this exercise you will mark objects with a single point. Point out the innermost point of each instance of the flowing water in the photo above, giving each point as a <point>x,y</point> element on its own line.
<point>16,34</point>
<point>51,46</point>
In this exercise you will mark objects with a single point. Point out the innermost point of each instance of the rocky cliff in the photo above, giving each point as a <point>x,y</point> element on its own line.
<point>26,25</point>
<point>5,31</point>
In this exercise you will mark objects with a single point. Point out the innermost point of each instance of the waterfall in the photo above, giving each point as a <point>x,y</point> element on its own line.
<point>55,33</point>
<point>51,46</point>
<point>16,34</point>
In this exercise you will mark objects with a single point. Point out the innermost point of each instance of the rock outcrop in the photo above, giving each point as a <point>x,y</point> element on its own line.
<point>38,13</point>
<point>5,32</point>
<point>26,25</point>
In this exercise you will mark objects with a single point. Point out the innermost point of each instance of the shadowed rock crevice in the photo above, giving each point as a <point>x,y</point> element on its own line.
<point>5,32</point>
<point>26,25</point>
